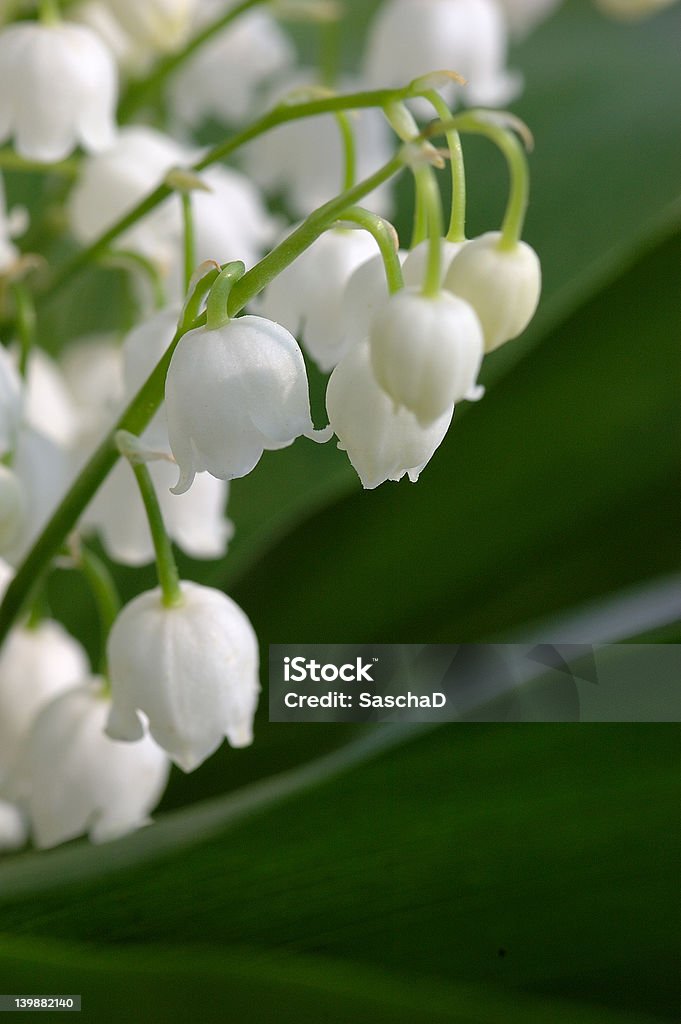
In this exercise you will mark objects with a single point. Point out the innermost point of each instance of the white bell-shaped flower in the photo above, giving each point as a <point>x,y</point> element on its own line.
<point>192,669</point>
<point>308,296</point>
<point>233,392</point>
<point>502,285</point>
<point>161,25</point>
<point>221,79</point>
<point>13,827</point>
<point>72,779</point>
<point>426,351</point>
<point>414,266</point>
<point>382,442</point>
<point>410,38</point>
<point>304,160</point>
<point>36,664</point>
<point>230,220</point>
<point>58,90</point>
<point>10,402</point>
<point>48,405</point>
<point>364,294</point>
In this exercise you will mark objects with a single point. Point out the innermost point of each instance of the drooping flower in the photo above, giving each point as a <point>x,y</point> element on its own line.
<point>233,392</point>
<point>308,296</point>
<point>364,294</point>
<point>58,90</point>
<point>426,351</point>
<point>382,442</point>
<point>221,80</point>
<point>36,664</point>
<point>192,669</point>
<point>71,778</point>
<point>502,285</point>
<point>410,38</point>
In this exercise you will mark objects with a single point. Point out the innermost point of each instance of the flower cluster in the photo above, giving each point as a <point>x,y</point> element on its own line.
<point>242,265</point>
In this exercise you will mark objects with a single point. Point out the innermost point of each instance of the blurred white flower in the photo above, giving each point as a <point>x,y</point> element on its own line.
<point>48,406</point>
<point>12,223</point>
<point>13,827</point>
<point>409,38</point>
<point>426,351</point>
<point>382,442</point>
<point>36,664</point>
<point>502,285</point>
<point>222,78</point>
<point>58,90</point>
<point>308,296</point>
<point>304,160</point>
<point>162,25</point>
<point>72,779</point>
<point>230,220</point>
<point>233,392</point>
<point>191,668</point>
<point>10,402</point>
<point>414,266</point>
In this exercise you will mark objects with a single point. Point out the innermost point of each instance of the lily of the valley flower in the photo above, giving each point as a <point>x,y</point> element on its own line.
<point>161,25</point>
<point>231,393</point>
<point>502,285</point>
<point>71,778</point>
<point>192,669</point>
<point>382,442</point>
<point>58,90</point>
<point>10,402</point>
<point>426,351</point>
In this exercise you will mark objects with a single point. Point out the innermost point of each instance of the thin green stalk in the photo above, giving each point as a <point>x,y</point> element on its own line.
<point>103,588</point>
<point>125,257</point>
<point>145,403</point>
<point>349,150</point>
<point>188,238</point>
<point>419,231</point>
<point>168,576</point>
<point>384,233</point>
<point>25,322</point>
<point>217,314</point>
<point>11,161</point>
<point>428,187</point>
<point>279,115</point>
<point>510,146</point>
<point>143,88</point>
<point>457,221</point>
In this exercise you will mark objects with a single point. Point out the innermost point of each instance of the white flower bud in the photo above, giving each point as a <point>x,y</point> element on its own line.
<point>410,38</point>
<point>58,90</point>
<point>12,507</point>
<point>73,779</point>
<point>36,665</point>
<point>364,294</point>
<point>233,392</point>
<point>426,351</point>
<point>383,443</point>
<point>191,668</point>
<point>414,266</point>
<point>502,285</point>
<point>13,830</point>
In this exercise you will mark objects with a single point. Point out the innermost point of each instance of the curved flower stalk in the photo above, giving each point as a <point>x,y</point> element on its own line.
<point>191,668</point>
<point>72,779</point>
<point>58,90</point>
<point>383,442</point>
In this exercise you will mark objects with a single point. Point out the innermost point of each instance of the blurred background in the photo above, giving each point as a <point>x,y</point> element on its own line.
<point>469,873</point>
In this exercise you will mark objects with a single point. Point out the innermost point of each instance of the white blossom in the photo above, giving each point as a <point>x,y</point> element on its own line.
<point>58,90</point>
<point>410,38</point>
<point>221,79</point>
<point>191,668</point>
<point>308,296</point>
<point>36,664</point>
<point>382,442</point>
<point>11,224</point>
<point>230,220</point>
<point>414,266</point>
<point>161,25</point>
<point>11,401</point>
<point>72,779</point>
<point>13,827</point>
<point>48,406</point>
<point>426,351</point>
<point>303,160</point>
<point>502,285</point>
<point>365,292</point>
<point>233,392</point>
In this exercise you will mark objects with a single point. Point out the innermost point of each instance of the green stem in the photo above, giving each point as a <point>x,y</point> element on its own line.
<point>419,231</point>
<point>279,115</point>
<point>510,146</point>
<point>49,12</point>
<point>428,187</point>
<point>349,150</point>
<point>384,233</point>
<point>11,161</point>
<point>143,88</point>
<point>168,576</point>
<point>457,222</point>
<point>101,583</point>
<point>218,299</point>
<point>189,238</point>
<point>329,52</point>
<point>25,321</point>
<point>145,403</point>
